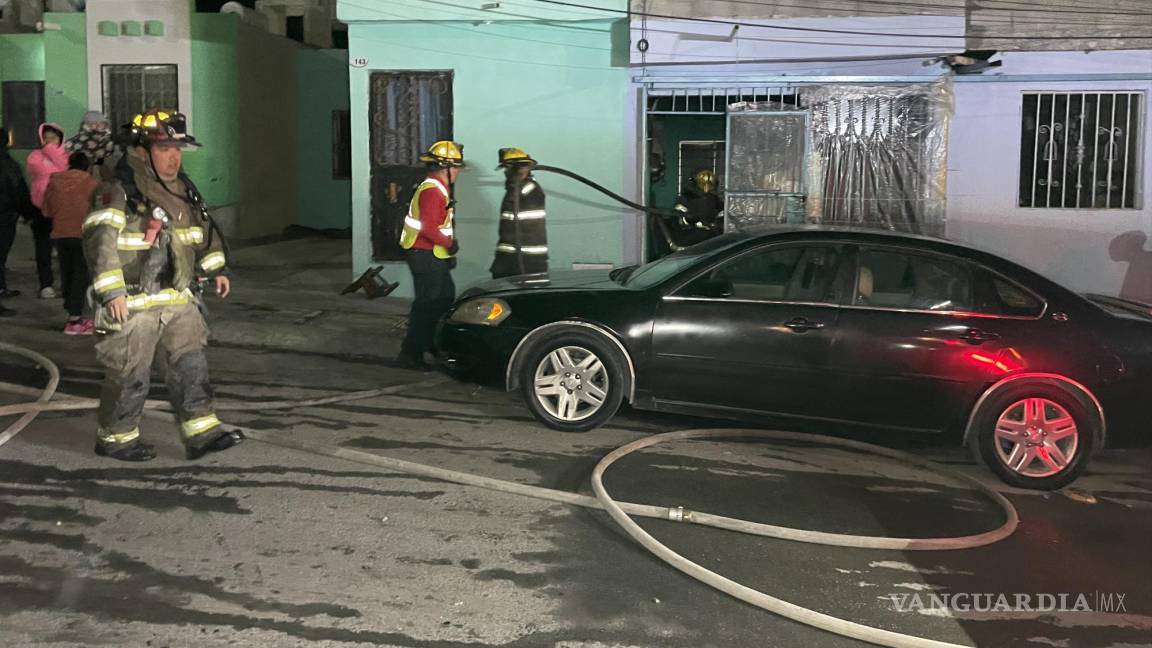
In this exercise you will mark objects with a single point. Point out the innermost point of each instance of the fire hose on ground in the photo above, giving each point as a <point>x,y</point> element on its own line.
<point>619,511</point>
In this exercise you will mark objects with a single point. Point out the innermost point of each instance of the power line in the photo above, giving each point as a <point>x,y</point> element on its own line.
<point>442,3</point>
<point>736,23</point>
<point>923,5</point>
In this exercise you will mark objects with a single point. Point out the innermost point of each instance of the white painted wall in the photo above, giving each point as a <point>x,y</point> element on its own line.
<point>1072,246</point>
<point>677,42</point>
<point>174,47</point>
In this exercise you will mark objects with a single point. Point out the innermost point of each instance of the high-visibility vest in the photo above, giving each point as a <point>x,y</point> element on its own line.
<point>412,221</point>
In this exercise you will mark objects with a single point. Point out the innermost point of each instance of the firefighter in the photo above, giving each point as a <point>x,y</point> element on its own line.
<point>147,241</point>
<point>430,243</point>
<point>523,245</point>
<point>700,209</point>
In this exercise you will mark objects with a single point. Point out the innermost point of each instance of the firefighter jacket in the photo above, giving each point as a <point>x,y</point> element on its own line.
<point>523,235</point>
<point>428,225</point>
<point>148,242</point>
<point>700,209</point>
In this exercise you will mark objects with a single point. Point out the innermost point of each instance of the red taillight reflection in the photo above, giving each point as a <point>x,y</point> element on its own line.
<point>1000,364</point>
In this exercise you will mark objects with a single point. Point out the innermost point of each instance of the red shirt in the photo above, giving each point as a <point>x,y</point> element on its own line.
<point>433,210</point>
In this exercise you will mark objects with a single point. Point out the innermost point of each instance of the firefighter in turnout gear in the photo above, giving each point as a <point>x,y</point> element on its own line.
<point>430,244</point>
<point>701,210</point>
<point>523,245</point>
<point>149,242</point>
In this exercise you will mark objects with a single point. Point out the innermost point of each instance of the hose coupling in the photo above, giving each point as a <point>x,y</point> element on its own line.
<point>676,514</point>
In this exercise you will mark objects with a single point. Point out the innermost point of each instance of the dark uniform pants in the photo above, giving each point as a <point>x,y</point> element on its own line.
<point>127,354</point>
<point>434,293</point>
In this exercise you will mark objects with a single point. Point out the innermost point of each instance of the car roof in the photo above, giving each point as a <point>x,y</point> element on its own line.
<point>762,233</point>
<point>855,232</point>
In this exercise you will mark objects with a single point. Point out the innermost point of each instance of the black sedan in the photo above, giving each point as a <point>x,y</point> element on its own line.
<point>881,330</point>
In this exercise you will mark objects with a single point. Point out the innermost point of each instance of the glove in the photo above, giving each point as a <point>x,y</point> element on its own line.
<point>454,249</point>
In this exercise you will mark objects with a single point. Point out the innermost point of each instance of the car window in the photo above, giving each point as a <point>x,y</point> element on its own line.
<point>892,279</point>
<point>789,274</point>
<point>1010,299</point>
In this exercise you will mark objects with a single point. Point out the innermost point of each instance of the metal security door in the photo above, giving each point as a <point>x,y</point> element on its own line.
<point>407,112</point>
<point>767,162</point>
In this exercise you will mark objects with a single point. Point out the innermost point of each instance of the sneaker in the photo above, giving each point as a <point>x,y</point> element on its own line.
<point>87,327</point>
<point>74,328</point>
<point>7,293</point>
<point>47,293</point>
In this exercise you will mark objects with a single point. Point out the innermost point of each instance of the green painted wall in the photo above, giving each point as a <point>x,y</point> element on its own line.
<point>551,89</point>
<point>215,166</point>
<point>676,129</point>
<point>66,70</point>
<point>21,57</point>
<point>266,96</point>
<point>321,87</point>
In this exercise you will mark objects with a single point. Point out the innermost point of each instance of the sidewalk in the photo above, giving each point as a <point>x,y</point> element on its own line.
<point>285,296</point>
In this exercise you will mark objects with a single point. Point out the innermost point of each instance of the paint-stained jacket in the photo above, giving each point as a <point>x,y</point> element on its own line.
<point>129,252</point>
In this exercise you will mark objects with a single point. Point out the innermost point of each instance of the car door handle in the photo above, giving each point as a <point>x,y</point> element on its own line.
<point>803,324</point>
<point>976,336</point>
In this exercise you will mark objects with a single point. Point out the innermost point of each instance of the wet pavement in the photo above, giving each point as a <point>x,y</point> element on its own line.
<point>267,546</point>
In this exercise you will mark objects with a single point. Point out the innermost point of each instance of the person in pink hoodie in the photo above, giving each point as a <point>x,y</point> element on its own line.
<point>50,158</point>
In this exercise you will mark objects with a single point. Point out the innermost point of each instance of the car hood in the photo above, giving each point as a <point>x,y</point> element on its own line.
<point>558,280</point>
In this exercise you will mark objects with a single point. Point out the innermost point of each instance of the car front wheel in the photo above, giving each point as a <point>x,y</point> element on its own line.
<point>1035,436</point>
<point>573,380</point>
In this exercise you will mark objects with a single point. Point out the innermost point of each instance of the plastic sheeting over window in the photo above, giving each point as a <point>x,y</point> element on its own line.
<point>870,156</point>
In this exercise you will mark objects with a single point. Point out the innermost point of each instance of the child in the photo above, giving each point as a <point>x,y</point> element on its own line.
<point>66,202</point>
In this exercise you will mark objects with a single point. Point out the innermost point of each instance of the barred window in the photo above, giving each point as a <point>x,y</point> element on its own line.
<point>1081,150</point>
<point>131,89</point>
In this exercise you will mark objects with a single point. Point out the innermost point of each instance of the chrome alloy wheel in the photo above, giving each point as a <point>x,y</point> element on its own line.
<point>571,383</point>
<point>1036,437</point>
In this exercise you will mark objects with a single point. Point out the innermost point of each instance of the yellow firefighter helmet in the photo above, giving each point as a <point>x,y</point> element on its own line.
<point>514,157</point>
<point>705,180</point>
<point>445,153</point>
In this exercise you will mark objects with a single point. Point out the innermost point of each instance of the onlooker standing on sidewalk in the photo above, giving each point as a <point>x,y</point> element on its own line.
<point>66,203</point>
<point>42,163</point>
<point>14,205</point>
<point>96,141</point>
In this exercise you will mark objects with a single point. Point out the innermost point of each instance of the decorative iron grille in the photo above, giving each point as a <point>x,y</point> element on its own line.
<point>407,112</point>
<point>1081,150</point>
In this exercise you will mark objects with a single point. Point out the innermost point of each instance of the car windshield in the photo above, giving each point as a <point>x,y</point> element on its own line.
<point>654,273</point>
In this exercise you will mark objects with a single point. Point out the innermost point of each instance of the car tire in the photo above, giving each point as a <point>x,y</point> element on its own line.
<point>1025,434</point>
<point>573,380</point>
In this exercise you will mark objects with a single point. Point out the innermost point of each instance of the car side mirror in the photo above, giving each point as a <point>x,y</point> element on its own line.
<point>713,288</point>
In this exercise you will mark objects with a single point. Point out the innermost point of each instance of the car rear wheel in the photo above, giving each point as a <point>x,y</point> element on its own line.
<point>1035,436</point>
<point>573,380</point>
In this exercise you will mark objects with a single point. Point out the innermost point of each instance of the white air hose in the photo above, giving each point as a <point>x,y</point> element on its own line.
<point>619,511</point>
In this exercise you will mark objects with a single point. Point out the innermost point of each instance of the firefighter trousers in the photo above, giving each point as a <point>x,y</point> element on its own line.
<point>180,334</point>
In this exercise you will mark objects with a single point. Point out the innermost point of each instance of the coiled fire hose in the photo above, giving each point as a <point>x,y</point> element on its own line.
<point>619,511</point>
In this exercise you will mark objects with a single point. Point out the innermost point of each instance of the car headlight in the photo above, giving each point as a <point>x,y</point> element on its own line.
<point>484,311</point>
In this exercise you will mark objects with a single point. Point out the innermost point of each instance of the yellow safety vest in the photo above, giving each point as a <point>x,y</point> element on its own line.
<point>412,221</point>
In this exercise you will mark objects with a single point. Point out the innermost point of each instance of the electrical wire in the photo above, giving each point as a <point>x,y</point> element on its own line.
<point>821,30</point>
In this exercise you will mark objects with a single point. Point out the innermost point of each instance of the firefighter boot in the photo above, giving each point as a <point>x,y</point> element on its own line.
<point>134,451</point>
<point>219,440</point>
